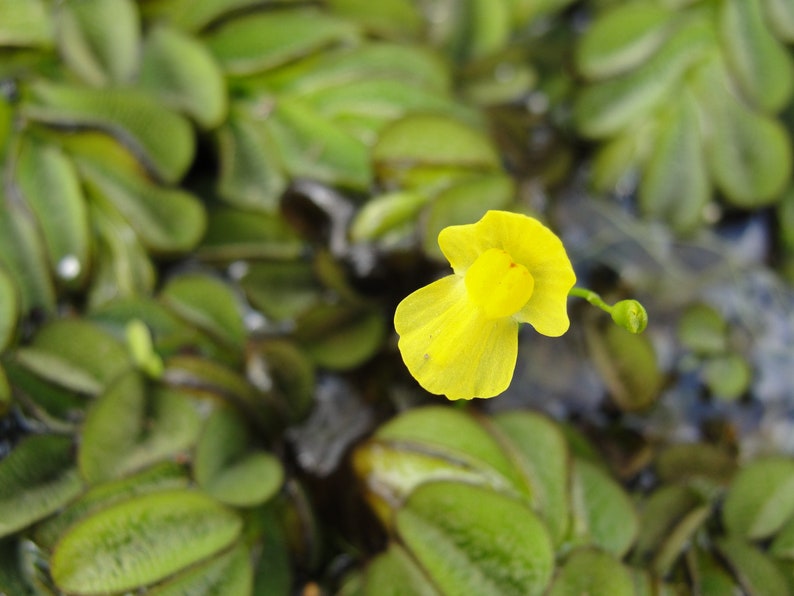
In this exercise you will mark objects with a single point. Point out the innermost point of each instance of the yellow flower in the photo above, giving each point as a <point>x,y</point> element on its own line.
<point>459,335</point>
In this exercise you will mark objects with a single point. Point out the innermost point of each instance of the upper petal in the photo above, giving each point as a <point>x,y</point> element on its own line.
<point>529,243</point>
<point>450,347</point>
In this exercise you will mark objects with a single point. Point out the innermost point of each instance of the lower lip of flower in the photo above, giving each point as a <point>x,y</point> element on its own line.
<point>498,285</point>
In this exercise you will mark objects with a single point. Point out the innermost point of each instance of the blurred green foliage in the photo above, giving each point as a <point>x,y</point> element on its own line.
<point>208,211</point>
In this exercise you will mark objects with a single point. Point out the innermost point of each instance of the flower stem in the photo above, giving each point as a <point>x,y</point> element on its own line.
<point>591,297</point>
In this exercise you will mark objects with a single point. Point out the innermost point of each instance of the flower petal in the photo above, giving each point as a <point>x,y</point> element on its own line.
<point>450,347</point>
<point>529,243</point>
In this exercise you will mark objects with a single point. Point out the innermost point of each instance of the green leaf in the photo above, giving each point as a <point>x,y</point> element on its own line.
<point>209,304</point>
<point>226,468</point>
<point>756,572</point>
<point>140,541</point>
<point>99,40</point>
<point>423,139</point>
<point>132,426</point>
<point>229,573</point>
<point>251,172</point>
<point>313,147</point>
<point>592,572</point>
<point>122,267</point>
<point>25,23</point>
<point>166,220</point>
<point>668,520</point>
<point>65,352</point>
<point>234,234</point>
<point>760,499</point>
<point>36,479</point>
<point>340,337</point>
<point>610,106</point>
<point>49,184</point>
<point>12,578</point>
<point>622,38</point>
<point>183,74</point>
<point>749,154</point>
<point>164,476</point>
<point>473,540</point>
<point>540,452</point>
<point>452,434</point>
<point>194,15</point>
<point>703,330</point>
<point>388,19</point>
<point>5,392</point>
<point>23,255</point>
<point>394,573</point>
<point>760,64</point>
<point>282,290</point>
<point>162,139</point>
<point>9,310</point>
<point>675,184</point>
<point>728,376</point>
<point>256,42</point>
<point>385,215</point>
<point>628,365</point>
<point>780,18</point>
<point>603,515</point>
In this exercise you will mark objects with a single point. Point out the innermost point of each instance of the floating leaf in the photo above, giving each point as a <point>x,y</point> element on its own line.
<point>131,426</point>
<point>452,433</point>
<point>675,184</point>
<point>313,147</point>
<point>627,363</point>
<point>386,214</point>
<point>540,452</point>
<point>234,234</point>
<point>340,337</point>
<point>592,572</point>
<point>194,15</point>
<point>760,64</point>
<point>422,139</point>
<point>749,154</point>
<point>602,513</point>
<point>36,479</point>
<point>25,23</point>
<point>122,267</point>
<point>727,376</point>
<point>49,184</point>
<point>687,462</point>
<point>282,290</point>
<point>99,39</point>
<point>760,499</point>
<point>229,573</point>
<point>394,573</point>
<point>756,572</point>
<point>622,38</point>
<point>207,303</point>
<point>612,105</point>
<point>9,309</point>
<point>166,220</point>
<point>668,520</point>
<point>703,330</point>
<point>140,541</point>
<point>473,540</point>
<point>228,469</point>
<point>389,19</point>
<point>251,172</point>
<point>164,476</point>
<point>24,258</point>
<point>183,74</point>
<point>257,42</point>
<point>780,18</point>
<point>162,139</point>
<point>65,352</point>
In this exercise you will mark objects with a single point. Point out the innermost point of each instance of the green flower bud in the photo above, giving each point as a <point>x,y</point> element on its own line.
<point>631,315</point>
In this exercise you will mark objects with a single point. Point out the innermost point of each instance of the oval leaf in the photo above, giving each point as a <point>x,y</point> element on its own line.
<point>472,540</point>
<point>162,139</point>
<point>140,541</point>
<point>98,39</point>
<point>592,572</point>
<point>761,498</point>
<point>228,573</point>
<point>36,479</point>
